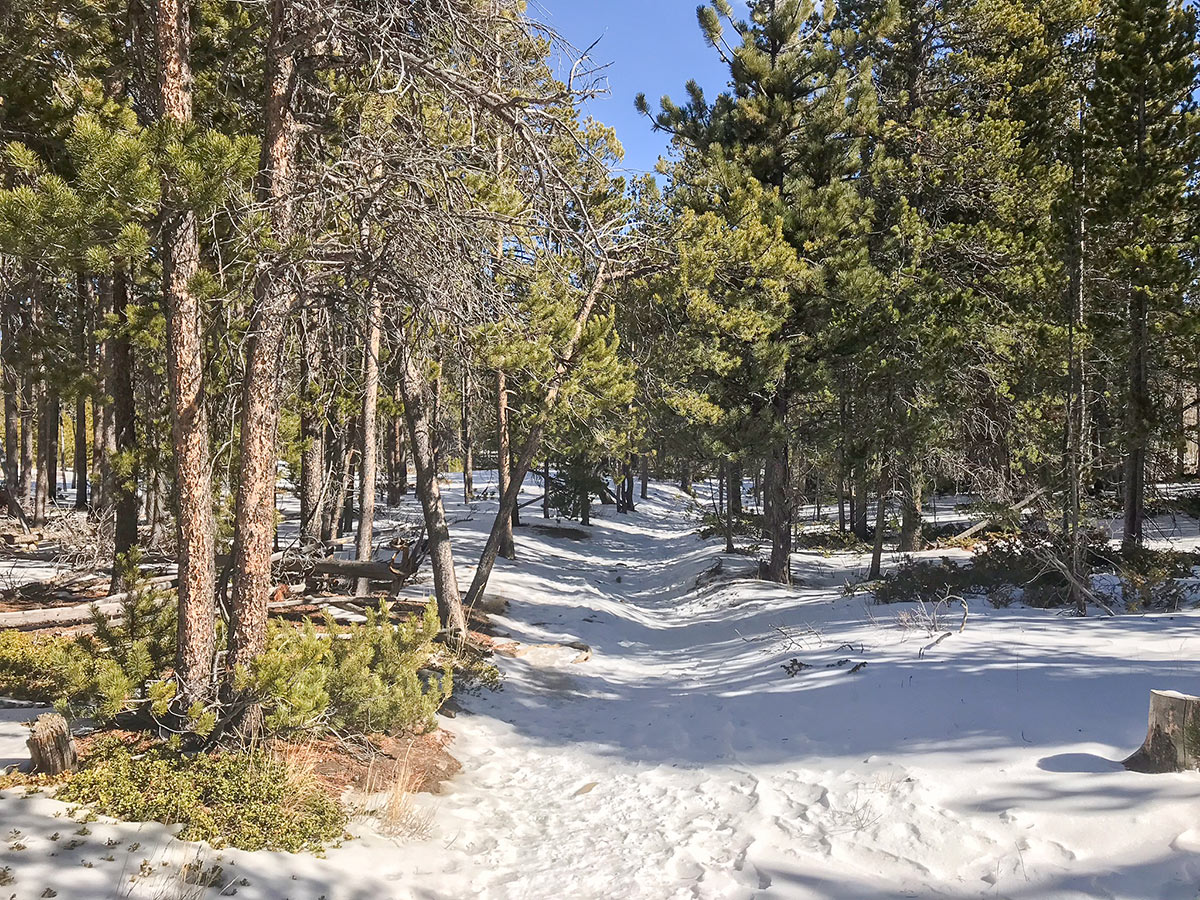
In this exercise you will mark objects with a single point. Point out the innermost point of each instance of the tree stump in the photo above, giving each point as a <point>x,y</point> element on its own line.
<point>1173,738</point>
<point>51,746</point>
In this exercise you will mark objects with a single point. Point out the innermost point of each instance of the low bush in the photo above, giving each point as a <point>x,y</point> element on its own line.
<point>252,800</point>
<point>828,538</point>
<point>1143,578</point>
<point>368,678</point>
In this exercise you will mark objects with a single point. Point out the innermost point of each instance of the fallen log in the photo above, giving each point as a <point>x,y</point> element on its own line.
<point>22,540</point>
<point>979,526</point>
<point>1173,737</point>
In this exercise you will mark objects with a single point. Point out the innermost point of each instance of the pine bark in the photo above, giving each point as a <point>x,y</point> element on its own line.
<point>369,441</point>
<point>418,413</point>
<point>312,433</point>
<point>12,420</point>
<point>27,412</point>
<point>504,461</point>
<point>196,529</point>
<point>85,300</point>
<point>1137,413</point>
<point>103,422</point>
<point>910,511</point>
<point>1173,736</point>
<point>124,483</point>
<point>468,456</point>
<point>255,505</point>
<point>880,524</point>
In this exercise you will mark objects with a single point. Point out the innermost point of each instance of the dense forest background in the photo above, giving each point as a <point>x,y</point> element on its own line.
<point>913,247</point>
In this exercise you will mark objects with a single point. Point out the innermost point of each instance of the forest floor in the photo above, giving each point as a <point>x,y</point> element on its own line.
<point>682,760</point>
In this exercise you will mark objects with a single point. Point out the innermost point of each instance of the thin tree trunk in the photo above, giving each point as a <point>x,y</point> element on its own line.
<point>859,509</point>
<point>418,414</point>
<point>509,498</point>
<point>338,444</point>
<point>103,423</point>
<point>125,483</point>
<point>910,513</point>
<point>1076,419</point>
<point>546,489</point>
<point>1136,423</point>
<point>729,506</point>
<point>735,489</point>
<point>254,514</point>
<point>196,529</point>
<point>468,456</point>
<point>364,545</point>
<point>86,299</point>
<point>313,482</point>
<point>645,477</point>
<point>778,515</point>
<point>880,524</point>
<point>28,410</point>
<point>503,461</point>
<point>12,419</point>
<point>349,476</point>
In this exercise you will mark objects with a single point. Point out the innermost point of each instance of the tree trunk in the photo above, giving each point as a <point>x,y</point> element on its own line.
<point>1173,737</point>
<point>468,457</point>
<point>124,494</point>
<point>503,461</point>
<point>778,518</point>
<point>196,529</point>
<point>104,434</point>
<point>729,507</point>
<point>1136,422</point>
<point>1076,420</point>
<point>508,500</point>
<point>12,420</point>
<point>254,513</point>
<point>880,524</point>
<point>86,299</point>
<point>546,489</point>
<point>313,480</point>
<point>859,509</point>
<point>685,479</point>
<point>28,410</point>
<point>910,512</point>
<point>364,546</point>
<point>418,415</point>
<point>735,489</point>
<point>645,477</point>
<point>349,475</point>
<point>397,462</point>
<point>51,457</point>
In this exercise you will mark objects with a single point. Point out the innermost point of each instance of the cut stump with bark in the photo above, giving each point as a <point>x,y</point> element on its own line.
<point>1173,738</point>
<point>51,746</point>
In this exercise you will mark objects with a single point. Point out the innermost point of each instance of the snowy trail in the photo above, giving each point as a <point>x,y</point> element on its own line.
<point>681,760</point>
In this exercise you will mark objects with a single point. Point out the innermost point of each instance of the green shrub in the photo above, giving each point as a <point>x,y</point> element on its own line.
<point>116,668</point>
<point>249,800</point>
<point>36,667</point>
<point>365,678</point>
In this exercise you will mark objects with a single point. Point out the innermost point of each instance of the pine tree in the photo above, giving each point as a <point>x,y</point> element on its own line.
<point>1143,144</point>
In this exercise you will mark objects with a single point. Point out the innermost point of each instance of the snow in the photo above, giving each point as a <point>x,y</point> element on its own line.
<point>682,761</point>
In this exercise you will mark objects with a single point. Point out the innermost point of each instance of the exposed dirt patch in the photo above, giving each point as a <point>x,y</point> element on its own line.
<point>342,766</point>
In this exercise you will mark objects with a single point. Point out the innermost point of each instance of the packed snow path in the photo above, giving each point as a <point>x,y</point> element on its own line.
<point>682,761</point>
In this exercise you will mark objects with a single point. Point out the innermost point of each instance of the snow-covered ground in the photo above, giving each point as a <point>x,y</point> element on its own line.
<point>682,761</point>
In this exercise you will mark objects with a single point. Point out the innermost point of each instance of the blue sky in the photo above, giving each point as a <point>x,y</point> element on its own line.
<point>652,46</point>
